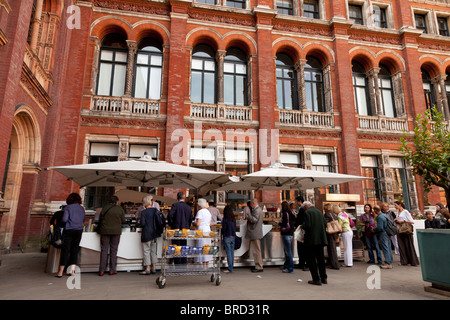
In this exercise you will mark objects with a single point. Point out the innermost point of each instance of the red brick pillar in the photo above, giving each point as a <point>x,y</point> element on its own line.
<point>67,144</point>
<point>349,152</point>
<point>11,61</point>
<point>265,77</point>
<point>177,83</point>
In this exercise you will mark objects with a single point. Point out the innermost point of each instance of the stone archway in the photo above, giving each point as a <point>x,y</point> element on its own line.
<point>24,158</point>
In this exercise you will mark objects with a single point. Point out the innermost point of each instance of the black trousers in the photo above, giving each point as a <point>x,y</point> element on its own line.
<point>302,263</point>
<point>316,261</point>
<point>71,247</point>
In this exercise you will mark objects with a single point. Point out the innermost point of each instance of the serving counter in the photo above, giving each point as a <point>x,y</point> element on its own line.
<point>130,253</point>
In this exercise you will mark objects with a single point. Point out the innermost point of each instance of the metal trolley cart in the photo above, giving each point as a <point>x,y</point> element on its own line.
<point>173,250</point>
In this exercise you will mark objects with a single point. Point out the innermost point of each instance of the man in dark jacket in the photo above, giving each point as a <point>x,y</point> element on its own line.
<point>111,219</point>
<point>180,217</point>
<point>315,239</point>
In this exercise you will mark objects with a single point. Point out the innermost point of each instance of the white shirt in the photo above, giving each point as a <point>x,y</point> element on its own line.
<point>205,217</point>
<point>405,216</point>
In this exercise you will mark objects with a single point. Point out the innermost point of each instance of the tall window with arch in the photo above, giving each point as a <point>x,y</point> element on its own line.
<point>148,70</point>
<point>360,89</point>
<point>428,90</point>
<point>203,75</point>
<point>235,78</point>
<point>113,66</point>
<point>314,85</point>
<point>387,92</point>
<point>286,83</point>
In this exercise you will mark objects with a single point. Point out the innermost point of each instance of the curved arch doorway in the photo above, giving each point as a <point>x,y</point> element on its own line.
<point>21,172</point>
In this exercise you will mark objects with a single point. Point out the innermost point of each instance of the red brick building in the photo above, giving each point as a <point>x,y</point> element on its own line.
<point>331,84</point>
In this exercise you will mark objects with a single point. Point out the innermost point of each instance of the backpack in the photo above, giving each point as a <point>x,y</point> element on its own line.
<point>56,237</point>
<point>160,222</point>
<point>391,228</point>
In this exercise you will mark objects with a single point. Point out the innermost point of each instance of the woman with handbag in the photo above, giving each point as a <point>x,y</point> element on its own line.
<point>347,235</point>
<point>287,234</point>
<point>332,238</point>
<point>406,248</point>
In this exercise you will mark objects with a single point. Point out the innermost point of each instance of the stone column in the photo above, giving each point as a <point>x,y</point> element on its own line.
<point>375,94</point>
<point>387,191</point>
<point>301,89</point>
<point>399,96</point>
<point>443,96</point>
<point>36,24</point>
<point>132,49</point>
<point>220,57</point>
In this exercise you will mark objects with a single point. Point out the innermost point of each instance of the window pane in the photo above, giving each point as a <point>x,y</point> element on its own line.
<point>141,78</point>
<point>362,101</point>
<point>360,81</point>
<point>241,68</point>
<point>142,59</point>
<point>228,67</point>
<point>119,80</point>
<point>104,80</point>
<point>228,88</point>
<point>107,55</point>
<point>121,56</point>
<point>386,83</point>
<point>280,93</point>
<point>156,60</point>
<point>210,65</point>
<point>197,64</point>
<point>155,84</point>
<point>209,88</point>
<point>288,95</point>
<point>308,98</point>
<point>387,102</point>
<point>196,87</point>
<point>240,91</point>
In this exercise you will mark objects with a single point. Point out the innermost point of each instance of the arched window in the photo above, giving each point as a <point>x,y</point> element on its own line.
<point>286,83</point>
<point>314,85</point>
<point>387,96</point>
<point>235,78</point>
<point>113,66</point>
<point>360,89</point>
<point>203,75</point>
<point>428,89</point>
<point>148,70</point>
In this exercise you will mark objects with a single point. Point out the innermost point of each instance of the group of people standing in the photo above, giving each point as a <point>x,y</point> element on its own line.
<point>376,223</point>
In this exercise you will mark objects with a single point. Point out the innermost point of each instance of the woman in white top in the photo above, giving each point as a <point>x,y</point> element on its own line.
<point>408,254</point>
<point>203,222</point>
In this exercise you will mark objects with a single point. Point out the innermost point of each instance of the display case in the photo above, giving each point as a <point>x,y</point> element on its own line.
<point>189,252</point>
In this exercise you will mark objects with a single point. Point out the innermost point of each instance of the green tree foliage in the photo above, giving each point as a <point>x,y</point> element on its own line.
<point>429,151</point>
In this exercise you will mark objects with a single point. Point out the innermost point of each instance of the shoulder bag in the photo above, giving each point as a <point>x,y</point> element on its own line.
<point>333,226</point>
<point>405,228</point>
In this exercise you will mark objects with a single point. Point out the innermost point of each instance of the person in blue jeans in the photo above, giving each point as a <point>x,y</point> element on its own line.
<point>287,234</point>
<point>383,238</point>
<point>229,234</point>
<point>368,221</point>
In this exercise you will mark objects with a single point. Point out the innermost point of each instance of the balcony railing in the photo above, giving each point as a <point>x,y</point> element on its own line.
<point>204,111</point>
<point>306,118</point>
<point>125,105</point>
<point>383,124</point>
